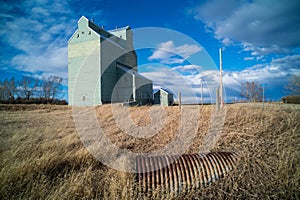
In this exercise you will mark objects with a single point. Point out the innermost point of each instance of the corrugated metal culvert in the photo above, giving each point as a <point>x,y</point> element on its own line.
<point>176,174</point>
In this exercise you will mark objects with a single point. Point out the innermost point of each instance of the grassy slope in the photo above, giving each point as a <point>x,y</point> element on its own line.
<point>42,156</point>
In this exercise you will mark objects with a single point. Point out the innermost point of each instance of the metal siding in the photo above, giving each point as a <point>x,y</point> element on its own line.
<point>157,97</point>
<point>110,53</point>
<point>118,40</point>
<point>164,98</point>
<point>84,68</point>
<point>144,90</point>
<point>129,59</point>
<point>124,87</point>
<point>170,99</point>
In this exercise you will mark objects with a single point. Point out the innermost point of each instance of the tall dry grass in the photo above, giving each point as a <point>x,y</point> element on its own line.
<point>43,158</point>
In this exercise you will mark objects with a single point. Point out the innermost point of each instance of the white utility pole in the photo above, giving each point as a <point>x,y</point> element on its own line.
<point>202,93</point>
<point>263,87</point>
<point>179,100</point>
<point>217,99</point>
<point>263,94</point>
<point>221,79</point>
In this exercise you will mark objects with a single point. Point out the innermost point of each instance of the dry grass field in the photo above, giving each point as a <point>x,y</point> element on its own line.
<point>42,156</point>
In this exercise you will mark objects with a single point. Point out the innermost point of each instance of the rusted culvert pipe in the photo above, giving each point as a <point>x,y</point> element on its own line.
<point>177,174</point>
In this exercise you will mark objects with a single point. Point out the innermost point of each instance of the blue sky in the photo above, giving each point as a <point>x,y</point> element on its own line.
<point>260,40</point>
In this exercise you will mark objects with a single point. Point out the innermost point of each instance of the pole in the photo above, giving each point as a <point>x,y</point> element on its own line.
<point>202,93</point>
<point>263,87</point>
<point>221,79</point>
<point>263,97</point>
<point>217,99</point>
<point>179,100</point>
<point>263,94</point>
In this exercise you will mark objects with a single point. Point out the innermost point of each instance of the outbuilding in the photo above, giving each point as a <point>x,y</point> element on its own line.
<point>163,97</point>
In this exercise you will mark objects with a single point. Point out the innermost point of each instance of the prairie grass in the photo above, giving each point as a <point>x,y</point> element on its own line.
<point>42,157</point>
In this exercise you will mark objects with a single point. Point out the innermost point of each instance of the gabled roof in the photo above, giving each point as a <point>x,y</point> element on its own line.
<point>99,30</point>
<point>130,71</point>
<point>156,91</point>
<point>119,29</point>
<point>163,90</point>
<point>82,18</point>
<point>166,91</point>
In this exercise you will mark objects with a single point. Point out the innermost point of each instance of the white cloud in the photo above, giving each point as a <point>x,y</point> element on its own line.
<point>189,69</point>
<point>287,62</point>
<point>262,51</point>
<point>56,57</point>
<point>173,81</point>
<point>249,58</point>
<point>38,37</point>
<point>275,74</point>
<point>263,27</point>
<point>168,53</point>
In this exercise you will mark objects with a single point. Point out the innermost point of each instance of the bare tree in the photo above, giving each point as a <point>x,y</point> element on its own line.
<point>3,94</point>
<point>8,89</point>
<point>51,87</point>
<point>28,86</point>
<point>252,91</point>
<point>56,85</point>
<point>31,88</point>
<point>12,88</point>
<point>294,84</point>
<point>46,88</point>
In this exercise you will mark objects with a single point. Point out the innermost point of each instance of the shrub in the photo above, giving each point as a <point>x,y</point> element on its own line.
<point>291,99</point>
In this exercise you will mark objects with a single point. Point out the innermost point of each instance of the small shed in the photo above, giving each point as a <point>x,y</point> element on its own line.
<point>163,97</point>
